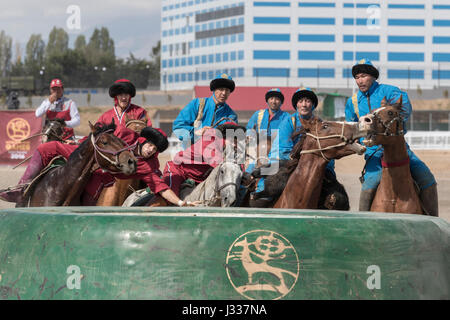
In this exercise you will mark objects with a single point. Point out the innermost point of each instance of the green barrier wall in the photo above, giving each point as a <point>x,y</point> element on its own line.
<point>172,253</point>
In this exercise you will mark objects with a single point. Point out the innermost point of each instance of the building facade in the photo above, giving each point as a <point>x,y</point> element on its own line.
<point>304,43</point>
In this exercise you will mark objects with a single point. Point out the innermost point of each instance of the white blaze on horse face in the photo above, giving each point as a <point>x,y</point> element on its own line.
<point>229,180</point>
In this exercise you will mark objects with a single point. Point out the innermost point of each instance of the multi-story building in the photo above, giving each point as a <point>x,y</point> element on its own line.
<point>311,43</point>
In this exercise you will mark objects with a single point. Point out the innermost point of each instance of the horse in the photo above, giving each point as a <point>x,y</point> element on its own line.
<point>122,188</point>
<point>320,142</point>
<point>63,185</point>
<point>396,192</point>
<point>219,189</point>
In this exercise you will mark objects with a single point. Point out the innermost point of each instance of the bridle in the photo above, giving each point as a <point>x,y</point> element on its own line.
<point>387,125</point>
<point>341,144</point>
<point>101,152</point>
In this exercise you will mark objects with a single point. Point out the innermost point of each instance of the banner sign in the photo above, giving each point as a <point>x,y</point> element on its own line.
<point>14,127</point>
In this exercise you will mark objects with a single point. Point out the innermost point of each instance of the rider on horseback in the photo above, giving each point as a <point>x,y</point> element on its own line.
<point>304,101</point>
<point>122,91</point>
<point>367,99</point>
<point>56,106</point>
<point>198,161</point>
<point>202,113</point>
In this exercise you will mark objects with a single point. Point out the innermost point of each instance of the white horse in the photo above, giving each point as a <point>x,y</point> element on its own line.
<point>219,189</point>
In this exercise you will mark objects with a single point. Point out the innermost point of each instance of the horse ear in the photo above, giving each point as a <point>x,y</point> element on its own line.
<point>92,127</point>
<point>399,101</point>
<point>384,102</point>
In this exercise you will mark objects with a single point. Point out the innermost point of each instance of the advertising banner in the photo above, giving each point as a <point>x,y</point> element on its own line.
<point>14,127</point>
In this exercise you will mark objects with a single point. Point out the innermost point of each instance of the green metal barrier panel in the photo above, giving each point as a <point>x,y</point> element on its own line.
<point>207,253</point>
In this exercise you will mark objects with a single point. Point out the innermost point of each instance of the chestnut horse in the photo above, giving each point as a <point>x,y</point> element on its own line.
<point>63,185</point>
<point>396,191</point>
<point>321,141</point>
<point>122,188</point>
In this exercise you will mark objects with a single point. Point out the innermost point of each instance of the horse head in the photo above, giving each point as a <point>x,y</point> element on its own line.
<point>331,139</point>
<point>112,153</point>
<point>384,123</point>
<point>228,182</point>
<point>53,130</point>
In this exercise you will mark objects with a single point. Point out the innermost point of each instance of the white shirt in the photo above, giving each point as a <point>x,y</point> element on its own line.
<point>59,105</point>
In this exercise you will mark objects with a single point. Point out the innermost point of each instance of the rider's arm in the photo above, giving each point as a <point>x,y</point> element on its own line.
<point>184,123</point>
<point>350,115</point>
<point>282,144</point>
<point>42,109</point>
<point>74,115</point>
<point>252,122</point>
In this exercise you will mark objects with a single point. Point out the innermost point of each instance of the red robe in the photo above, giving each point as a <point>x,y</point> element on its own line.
<point>133,112</point>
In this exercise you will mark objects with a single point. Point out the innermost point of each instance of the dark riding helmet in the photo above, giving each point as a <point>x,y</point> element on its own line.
<point>155,136</point>
<point>304,93</point>
<point>122,86</point>
<point>275,93</point>
<point>222,81</point>
<point>230,125</point>
<point>365,66</point>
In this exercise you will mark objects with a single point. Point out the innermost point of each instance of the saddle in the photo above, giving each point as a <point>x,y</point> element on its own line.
<point>56,162</point>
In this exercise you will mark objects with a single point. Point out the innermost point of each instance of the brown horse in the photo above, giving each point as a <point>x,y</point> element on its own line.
<point>122,188</point>
<point>396,191</point>
<point>63,185</point>
<point>321,141</point>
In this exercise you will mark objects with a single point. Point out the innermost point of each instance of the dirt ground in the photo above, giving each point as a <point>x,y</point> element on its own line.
<point>348,171</point>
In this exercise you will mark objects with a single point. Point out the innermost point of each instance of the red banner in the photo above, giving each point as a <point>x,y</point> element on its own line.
<point>14,127</point>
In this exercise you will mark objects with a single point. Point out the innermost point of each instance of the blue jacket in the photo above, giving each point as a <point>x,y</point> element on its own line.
<point>211,114</point>
<point>265,124</point>
<point>376,94</point>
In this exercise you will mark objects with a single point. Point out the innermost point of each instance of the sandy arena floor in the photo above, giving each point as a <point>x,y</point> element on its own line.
<point>348,170</point>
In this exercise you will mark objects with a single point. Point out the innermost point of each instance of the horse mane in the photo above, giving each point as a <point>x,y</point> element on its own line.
<point>59,120</point>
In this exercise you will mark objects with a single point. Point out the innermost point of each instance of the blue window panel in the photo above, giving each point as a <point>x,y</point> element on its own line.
<point>170,78</point>
<point>204,26</point>
<point>405,74</point>
<point>316,38</point>
<point>316,73</point>
<point>210,42</point>
<point>441,39</point>
<point>271,54</point>
<point>183,77</point>
<point>233,73</point>
<point>406,22</point>
<point>164,33</point>
<point>164,63</point>
<point>218,40</point>
<point>203,75</point>
<point>271,72</point>
<point>233,56</point>
<point>271,4</point>
<point>183,30</point>
<point>211,26</point>
<point>226,39</point>
<point>218,57</point>
<point>272,20</point>
<point>241,55</point>
<point>177,77</point>
<point>316,4</point>
<point>197,60</point>
<point>406,56</point>
<point>170,63</point>
<point>211,58</point>
<point>197,28</point>
<point>362,38</point>
<point>177,62</point>
<point>210,74</point>
<point>203,43</point>
<point>441,57</point>
<point>240,72</point>
<point>190,61</point>
<point>347,73</point>
<point>441,74</point>
<point>218,24</point>
<point>371,55</point>
<point>225,57</point>
<point>226,24</point>
<point>321,21</point>
<point>359,21</point>
<point>177,32</point>
<point>171,32</point>
<point>241,21</point>
<point>183,62</point>
<point>272,37</point>
<point>360,5</point>
<point>441,6</point>
<point>233,38</point>
<point>406,39</point>
<point>241,37</point>
<point>441,23</point>
<point>204,59</point>
<point>406,6</point>
<point>316,55</point>
<point>190,76</point>
<point>233,22</point>
<point>196,76</point>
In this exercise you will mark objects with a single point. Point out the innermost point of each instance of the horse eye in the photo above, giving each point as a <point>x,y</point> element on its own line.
<point>390,113</point>
<point>325,126</point>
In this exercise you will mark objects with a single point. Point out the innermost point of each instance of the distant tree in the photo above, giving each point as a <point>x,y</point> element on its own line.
<point>101,57</point>
<point>58,42</point>
<point>34,55</point>
<point>5,53</point>
<point>80,43</point>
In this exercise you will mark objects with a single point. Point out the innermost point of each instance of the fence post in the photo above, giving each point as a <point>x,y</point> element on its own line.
<point>430,117</point>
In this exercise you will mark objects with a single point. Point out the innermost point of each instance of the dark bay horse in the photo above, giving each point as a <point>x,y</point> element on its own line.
<point>396,191</point>
<point>63,185</point>
<point>122,188</point>
<point>320,142</point>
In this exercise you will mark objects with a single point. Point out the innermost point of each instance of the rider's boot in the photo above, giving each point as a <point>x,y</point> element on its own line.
<point>429,199</point>
<point>366,199</point>
<point>14,194</point>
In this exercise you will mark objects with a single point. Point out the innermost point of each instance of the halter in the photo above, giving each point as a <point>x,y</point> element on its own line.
<point>387,125</point>
<point>102,151</point>
<point>341,136</point>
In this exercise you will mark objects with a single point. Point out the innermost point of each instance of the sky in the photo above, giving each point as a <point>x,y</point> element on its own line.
<point>134,25</point>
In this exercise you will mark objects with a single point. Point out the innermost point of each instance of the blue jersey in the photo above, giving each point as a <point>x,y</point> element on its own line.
<point>260,121</point>
<point>184,123</point>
